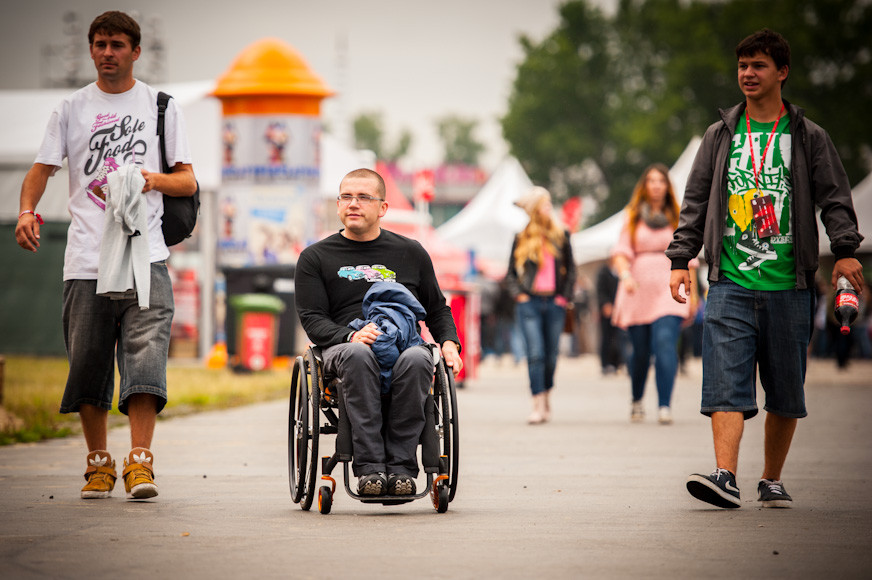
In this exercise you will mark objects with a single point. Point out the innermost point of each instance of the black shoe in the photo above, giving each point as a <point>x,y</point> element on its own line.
<point>750,245</point>
<point>400,484</point>
<point>773,495</point>
<point>372,484</point>
<point>718,489</point>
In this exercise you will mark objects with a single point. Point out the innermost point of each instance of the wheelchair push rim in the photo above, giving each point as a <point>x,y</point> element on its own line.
<point>303,430</point>
<point>447,420</point>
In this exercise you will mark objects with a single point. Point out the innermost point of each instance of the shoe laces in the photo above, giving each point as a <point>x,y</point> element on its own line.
<point>100,477</point>
<point>774,486</point>
<point>719,471</point>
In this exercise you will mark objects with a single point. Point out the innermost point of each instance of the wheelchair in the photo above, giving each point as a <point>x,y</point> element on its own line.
<point>315,409</point>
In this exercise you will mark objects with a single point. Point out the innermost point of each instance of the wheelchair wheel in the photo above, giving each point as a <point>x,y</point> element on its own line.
<point>298,431</point>
<point>314,390</point>
<point>446,409</point>
<point>443,499</point>
<point>325,499</point>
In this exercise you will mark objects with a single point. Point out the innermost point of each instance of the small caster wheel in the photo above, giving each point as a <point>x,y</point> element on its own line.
<point>442,500</point>
<point>325,499</point>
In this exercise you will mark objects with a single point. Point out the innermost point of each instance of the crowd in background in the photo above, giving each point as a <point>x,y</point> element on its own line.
<point>589,328</point>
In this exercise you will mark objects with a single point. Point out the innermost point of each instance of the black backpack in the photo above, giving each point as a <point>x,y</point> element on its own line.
<point>180,213</point>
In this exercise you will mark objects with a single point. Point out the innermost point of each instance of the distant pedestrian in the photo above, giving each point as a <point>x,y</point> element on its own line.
<point>750,199</point>
<point>611,349</point>
<point>643,305</point>
<point>541,277</point>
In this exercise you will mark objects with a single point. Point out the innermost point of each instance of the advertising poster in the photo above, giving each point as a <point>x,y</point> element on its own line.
<point>268,208</point>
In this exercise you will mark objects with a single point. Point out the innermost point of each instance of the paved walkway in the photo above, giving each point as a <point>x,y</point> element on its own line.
<point>588,495</point>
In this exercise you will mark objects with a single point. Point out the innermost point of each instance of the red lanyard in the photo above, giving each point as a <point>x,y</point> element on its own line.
<point>766,149</point>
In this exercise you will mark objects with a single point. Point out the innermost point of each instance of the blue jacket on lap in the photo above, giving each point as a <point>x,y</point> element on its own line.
<point>396,312</point>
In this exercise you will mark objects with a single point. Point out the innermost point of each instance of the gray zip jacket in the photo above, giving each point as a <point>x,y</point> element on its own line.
<point>818,180</point>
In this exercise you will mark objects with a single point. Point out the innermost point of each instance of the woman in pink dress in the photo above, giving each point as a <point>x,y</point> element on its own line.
<point>644,305</point>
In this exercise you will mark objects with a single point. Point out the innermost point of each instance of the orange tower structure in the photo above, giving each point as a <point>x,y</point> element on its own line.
<point>270,77</point>
<point>269,206</point>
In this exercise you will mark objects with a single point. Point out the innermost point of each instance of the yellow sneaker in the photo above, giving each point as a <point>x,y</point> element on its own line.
<point>139,474</point>
<point>100,475</point>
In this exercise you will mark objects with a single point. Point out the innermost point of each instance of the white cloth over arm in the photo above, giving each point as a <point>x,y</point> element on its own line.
<point>124,269</point>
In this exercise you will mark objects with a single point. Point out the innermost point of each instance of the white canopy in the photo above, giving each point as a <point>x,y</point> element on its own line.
<point>489,222</point>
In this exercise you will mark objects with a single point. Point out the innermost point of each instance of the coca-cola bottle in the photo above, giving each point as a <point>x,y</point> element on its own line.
<point>847,304</point>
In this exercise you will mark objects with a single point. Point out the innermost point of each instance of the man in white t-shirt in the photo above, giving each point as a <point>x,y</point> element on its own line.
<point>98,129</point>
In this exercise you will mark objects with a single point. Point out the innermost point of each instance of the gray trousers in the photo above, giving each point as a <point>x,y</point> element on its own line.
<point>382,443</point>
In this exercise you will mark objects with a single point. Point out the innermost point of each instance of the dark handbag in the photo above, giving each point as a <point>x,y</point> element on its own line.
<point>180,213</point>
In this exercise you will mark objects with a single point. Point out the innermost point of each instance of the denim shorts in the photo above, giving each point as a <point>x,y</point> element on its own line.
<point>746,330</point>
<point>97,327</point>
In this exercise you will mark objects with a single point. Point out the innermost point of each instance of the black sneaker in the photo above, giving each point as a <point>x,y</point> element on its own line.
<point>750,245</point>
<point>400,484</point>
<point>773,495</point>
<point>718,489</point>
<point>372,484</point>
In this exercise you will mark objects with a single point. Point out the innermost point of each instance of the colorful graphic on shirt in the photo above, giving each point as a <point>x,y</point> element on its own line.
<point>114,141</point>
<point>97,189</point>
<point>374,273</point>
<point>758,239</point>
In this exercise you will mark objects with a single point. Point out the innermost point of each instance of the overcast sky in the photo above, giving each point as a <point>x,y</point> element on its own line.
<point>413,60</point>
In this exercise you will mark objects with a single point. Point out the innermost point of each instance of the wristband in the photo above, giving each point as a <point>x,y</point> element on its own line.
<point>36,215</point>
<point>624,275</point>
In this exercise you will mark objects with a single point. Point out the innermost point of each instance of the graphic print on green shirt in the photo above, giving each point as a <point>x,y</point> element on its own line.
<point>758,239</point>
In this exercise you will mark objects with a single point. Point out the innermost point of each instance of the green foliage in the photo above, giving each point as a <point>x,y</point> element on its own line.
<point>628,90</point>
<point>461,146</point>
<point>369,134</point>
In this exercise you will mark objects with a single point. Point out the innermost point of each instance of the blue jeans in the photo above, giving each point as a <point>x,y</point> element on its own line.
<point>660,339</point>
<point>746,329</point>
<point>541,322</point>
<point>98,329</point>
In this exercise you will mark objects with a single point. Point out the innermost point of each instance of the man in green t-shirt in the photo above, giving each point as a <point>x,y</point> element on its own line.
<point>750,200</point>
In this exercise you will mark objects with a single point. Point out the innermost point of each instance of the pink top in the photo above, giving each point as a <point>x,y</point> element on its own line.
<point>650,268</point>
<point>545,281</point>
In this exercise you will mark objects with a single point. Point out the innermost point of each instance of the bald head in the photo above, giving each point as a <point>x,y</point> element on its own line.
<point>364,173</point>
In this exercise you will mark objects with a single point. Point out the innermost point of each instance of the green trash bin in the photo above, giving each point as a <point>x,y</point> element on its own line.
<point>256,317</point>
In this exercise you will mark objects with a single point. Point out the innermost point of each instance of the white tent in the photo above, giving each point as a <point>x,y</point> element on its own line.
<point>489,222</point>
<point>862,194</point>
<point>595,243</point>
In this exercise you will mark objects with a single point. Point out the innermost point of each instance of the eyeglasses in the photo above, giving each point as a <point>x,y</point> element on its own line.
<point>347,198</point>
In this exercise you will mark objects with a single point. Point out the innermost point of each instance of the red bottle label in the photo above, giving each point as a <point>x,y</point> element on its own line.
<point>847,299</point>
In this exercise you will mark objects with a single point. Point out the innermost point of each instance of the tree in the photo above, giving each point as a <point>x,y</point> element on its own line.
<point>461,146</point>
<point>368,134</point>
<point>563,105</point>
<point>632,89</point>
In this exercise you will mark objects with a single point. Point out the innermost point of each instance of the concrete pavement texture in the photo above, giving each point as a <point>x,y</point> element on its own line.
<point>588,495</point>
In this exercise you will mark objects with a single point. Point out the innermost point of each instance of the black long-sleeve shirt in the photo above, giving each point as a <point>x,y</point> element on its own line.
<point>332,277</point>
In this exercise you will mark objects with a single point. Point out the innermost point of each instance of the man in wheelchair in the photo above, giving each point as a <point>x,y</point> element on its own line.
<point>332,277</point>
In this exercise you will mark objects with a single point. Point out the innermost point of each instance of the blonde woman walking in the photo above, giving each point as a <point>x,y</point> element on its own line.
<point>541,277</point>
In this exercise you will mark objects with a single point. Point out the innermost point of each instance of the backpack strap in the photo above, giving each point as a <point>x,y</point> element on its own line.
<point>163,100</point>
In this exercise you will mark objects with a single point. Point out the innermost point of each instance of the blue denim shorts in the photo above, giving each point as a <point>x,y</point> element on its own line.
<point>746,330</point>
<point>96,328</point>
